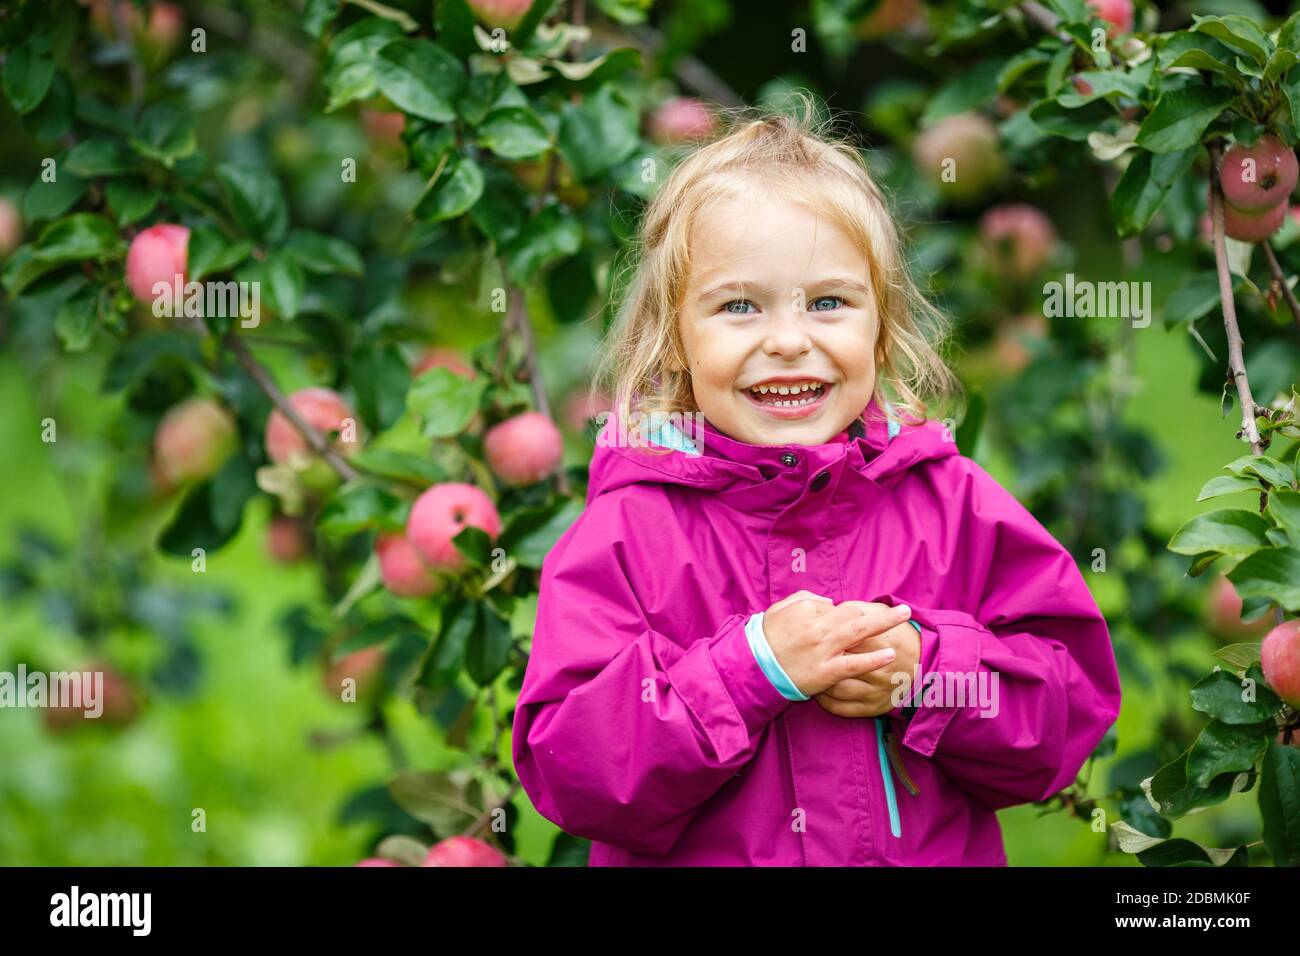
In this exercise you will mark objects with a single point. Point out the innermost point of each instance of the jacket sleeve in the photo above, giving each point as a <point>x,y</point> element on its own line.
<point>1033,639</point>
<point>621,733</point>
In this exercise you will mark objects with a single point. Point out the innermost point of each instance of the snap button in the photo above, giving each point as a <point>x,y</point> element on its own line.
<point>821,481</point>
<point>789,459</point>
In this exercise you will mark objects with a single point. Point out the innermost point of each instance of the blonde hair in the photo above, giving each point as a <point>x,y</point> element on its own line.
<point>643,364</point>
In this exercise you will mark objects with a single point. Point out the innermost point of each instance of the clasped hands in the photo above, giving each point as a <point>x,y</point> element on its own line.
<point>846,655</point>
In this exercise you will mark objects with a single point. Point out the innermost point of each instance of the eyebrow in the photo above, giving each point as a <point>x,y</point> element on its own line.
<point>830,282</point>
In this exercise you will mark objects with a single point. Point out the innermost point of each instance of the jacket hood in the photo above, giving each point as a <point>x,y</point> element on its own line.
<point>693,452</point>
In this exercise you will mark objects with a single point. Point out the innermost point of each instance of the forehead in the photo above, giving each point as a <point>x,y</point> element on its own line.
<point>758,229</point>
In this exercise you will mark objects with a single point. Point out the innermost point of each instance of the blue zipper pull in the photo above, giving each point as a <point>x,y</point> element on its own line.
<point>894,826</point>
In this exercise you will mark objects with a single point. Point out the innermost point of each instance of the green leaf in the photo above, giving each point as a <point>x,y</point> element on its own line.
<point>280,279</point>
<point>1181,117</point>
<point>459,621</point>
<point>27,77</point>
<point>75,322</point>
<point>444,401</point>
<point>489,648</point>
<point>1220,695</point>
<point>349,72</point>
<point>131,199</point>
<point>475,545</point>
<point>1104,83</point>
<point>137,357</point>
<point>531,534</point>
<point>1176,797</point>
<point>1239,656</point>
<point>1231,531</point>
<point>420,78</point>
<point>323,254</point>
<point>165,133</point>
<point>210,252</point>
<point>52,119</point>
<point>1198,51</point>
<point>1181,852</point>
<point>399,465</point>
<point>360,506</point>
<point>1261,466</point>
<point>1272,573</point>
<point>193,526</point>
<point>1072,124</point>
<point>514,132</point>
<point>431,797</point>
<point>380,377</point>
<point>1288,36</point>
<point>1279,63</point>
<point>456,190</point>
<point>598,133</point>
<point>546,238</point>
<point>455,23</point>
<point>1143,187</point>
<point>1284,508</point>
<point>317,15</point>
<point>50,200</point>
<point>100,157</point>
<point>232,486</point>
<point>429,146</point>
<point>1023,62</point>
<point>1279,803</point>
<point>1237,33</point>
<point>1226,485</point>
<point>256,201</point>
<point>967,91</point>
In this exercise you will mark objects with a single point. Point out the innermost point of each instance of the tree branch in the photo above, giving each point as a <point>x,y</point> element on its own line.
<point>1236,363</point>
<point>1275,267</point>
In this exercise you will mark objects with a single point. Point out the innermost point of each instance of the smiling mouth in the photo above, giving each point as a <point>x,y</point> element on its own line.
<point>788,396</point>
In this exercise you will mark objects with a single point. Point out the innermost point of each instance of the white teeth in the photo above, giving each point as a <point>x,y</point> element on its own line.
<point>786,389</point>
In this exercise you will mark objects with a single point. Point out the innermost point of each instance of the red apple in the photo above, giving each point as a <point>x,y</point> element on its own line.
<point>500,13</point>
<point>1279,657</point>
<point>1223,614</point>
<point>117,702</point>
<point>193,440</point>
<point>889,16</point>
<point>1253,227</point>
<point>11,228</point>
<point>384,128</point>
<point>682,119</point>
<point>1081,86</point>
<point>166,21</point>
<point>1118,13</point>
<point>584,405</point>
<point>440,513</point>
<point>364,666</point>
<point>440,356</point>
<point>525,449</point>
<point>1015,336</point>
<point>1018,240</point>
<point>961,155</point>
<point>1259,178</point>
<point>463,851</point>
<point>287,540</point>
<point>376,861</point>
<point>156,255</point>
<point>322,408</point>
<point>401,568</point>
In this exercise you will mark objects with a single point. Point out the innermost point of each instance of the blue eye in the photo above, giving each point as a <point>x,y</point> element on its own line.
<point>835,301</point>
<point>741,302</point>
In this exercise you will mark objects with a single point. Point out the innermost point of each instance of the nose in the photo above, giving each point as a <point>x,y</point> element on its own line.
<point>786,335</point>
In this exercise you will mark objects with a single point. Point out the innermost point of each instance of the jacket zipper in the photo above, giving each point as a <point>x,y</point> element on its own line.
<point>887,752</point>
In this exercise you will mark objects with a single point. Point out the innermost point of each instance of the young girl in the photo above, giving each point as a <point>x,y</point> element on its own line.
<point>807,631</point>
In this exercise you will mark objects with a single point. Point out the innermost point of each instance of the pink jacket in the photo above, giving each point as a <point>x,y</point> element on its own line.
<point>646,724</point>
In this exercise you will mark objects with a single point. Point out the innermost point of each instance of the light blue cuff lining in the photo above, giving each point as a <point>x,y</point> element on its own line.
<point>661,431</point>
<point>767,660</point>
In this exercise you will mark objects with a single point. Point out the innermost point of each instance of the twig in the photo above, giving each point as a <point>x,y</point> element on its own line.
<point>133,68</point>
<point>1276,268</point>
<point>1236,363</point>
<point>315,439</point>
<point>486,817</point>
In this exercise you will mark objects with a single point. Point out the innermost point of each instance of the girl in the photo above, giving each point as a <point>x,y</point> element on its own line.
<point>794,626</point>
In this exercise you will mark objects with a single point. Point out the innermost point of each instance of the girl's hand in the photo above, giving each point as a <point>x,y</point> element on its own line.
<point>811,637</point>
<point>871,694</point>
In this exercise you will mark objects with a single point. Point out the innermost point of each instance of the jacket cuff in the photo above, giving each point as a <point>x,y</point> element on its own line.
<point>906,708</point>
<point>762,652</point>
<point>725,689</point>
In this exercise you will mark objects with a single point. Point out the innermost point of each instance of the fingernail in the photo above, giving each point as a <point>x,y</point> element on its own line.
<point>888,654</point>
<point>902,609</point>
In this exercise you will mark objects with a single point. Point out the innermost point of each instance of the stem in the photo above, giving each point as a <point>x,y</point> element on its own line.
<point>1236,363</point>
<point>486,817</point>
<point>262,377</point>
<point>1276,269</point>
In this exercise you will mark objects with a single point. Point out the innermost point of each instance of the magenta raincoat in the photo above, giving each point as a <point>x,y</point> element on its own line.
<point>646,724</point>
